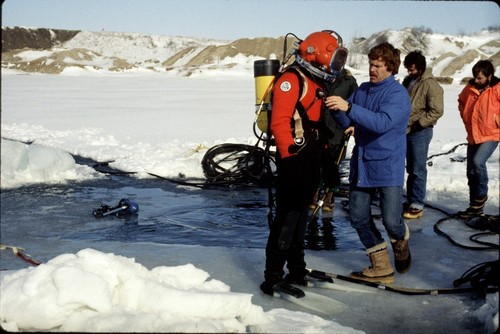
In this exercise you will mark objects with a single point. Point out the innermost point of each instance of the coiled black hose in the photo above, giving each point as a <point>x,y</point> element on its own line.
<point>237,164</point>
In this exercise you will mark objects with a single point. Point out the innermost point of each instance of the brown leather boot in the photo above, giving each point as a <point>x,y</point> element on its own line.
<point>328,202</point>
<point>314,204</point>
<point>402,255</point>
<point>381,270</point>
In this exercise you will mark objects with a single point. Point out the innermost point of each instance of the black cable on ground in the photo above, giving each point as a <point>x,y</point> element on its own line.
<point>474,237</point>
<point>484,276</point>
<point>453,149</point>
<point>236,164</point>
<point>481,278</point>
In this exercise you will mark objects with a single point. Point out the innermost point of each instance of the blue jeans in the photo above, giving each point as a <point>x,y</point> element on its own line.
<point>477,174</point>
<point>360,200</point>
<point>417,148</point>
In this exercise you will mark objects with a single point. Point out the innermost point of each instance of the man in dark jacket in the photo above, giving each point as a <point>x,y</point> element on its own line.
<point>333,141</point>
<point>427,107</point>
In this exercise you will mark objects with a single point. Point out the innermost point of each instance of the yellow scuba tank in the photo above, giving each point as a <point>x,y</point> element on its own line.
<point>264,74</point>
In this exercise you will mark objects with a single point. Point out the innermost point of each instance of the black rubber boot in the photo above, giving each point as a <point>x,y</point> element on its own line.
<point>267,287</point>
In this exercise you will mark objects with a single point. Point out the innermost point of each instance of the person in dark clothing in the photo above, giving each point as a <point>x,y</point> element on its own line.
<point>427,108</point>
<point>334,138</point>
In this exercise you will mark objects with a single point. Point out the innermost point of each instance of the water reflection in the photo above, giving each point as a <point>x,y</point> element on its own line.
<point>320,234</point>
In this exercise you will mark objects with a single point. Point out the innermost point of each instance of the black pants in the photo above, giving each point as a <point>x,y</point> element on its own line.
<point>329,169</point>
<point>298,177</point>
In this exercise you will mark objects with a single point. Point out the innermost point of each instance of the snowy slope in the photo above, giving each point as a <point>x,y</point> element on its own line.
<point>118,52</point>
<point>144,50</point>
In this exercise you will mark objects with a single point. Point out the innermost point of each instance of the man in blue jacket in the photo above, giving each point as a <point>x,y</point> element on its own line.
<point>378,111</point>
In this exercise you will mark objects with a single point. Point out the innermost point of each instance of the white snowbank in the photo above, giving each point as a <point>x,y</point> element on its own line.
<point>91,291</point>
<point>25,164</point>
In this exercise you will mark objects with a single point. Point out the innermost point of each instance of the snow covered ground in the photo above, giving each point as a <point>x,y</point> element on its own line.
<point>163,124</point>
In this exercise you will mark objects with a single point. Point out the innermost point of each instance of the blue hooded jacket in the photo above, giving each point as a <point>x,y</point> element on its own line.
<point>380,115</point>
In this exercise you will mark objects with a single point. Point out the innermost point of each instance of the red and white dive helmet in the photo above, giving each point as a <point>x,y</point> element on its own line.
<point>322,54</point>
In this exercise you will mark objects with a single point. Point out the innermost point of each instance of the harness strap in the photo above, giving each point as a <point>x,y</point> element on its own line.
<point>297,115</point>
<point>299,130</point>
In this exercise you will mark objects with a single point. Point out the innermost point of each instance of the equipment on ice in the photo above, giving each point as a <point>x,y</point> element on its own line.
<point>234,164</point>
<point>124,207</point>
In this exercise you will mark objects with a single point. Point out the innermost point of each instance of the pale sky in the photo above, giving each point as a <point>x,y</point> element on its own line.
<point>234,19</point>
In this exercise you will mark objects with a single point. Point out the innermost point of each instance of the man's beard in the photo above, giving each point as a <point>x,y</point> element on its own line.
<point>416,75</point>
<point>482,86</point>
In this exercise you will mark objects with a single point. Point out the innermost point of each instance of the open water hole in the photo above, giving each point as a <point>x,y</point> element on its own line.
<point>168,214</point>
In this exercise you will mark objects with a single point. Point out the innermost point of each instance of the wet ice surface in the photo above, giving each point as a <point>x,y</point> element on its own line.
<point>224,231</point>
<point>168,214</point>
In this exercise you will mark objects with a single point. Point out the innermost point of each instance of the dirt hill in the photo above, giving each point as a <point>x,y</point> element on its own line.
<point>17,38</point>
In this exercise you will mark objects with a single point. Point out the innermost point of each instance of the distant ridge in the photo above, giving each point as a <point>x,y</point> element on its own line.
<point>15,38</point>
<point>43,50</point>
